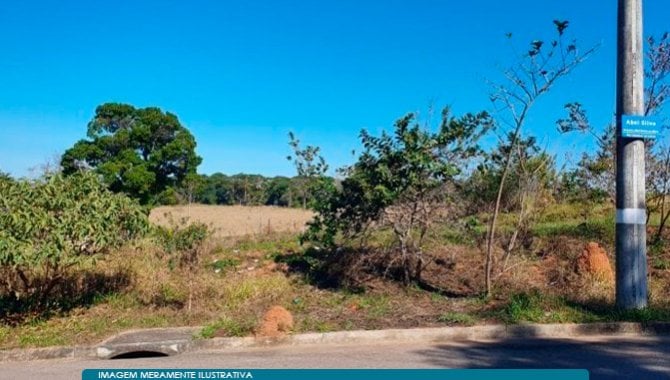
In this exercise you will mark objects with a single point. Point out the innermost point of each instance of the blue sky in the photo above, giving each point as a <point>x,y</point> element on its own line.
<point>242,74</point>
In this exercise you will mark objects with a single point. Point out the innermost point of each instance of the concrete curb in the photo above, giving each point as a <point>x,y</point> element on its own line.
<point>109,349</point>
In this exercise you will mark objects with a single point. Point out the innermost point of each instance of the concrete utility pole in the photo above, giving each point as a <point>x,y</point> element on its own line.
<point>631,214</point>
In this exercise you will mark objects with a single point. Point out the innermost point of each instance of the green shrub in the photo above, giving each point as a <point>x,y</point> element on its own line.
<point>524,307</point>
<point>399,182</point>
<point>183,245</point>
<point>54,224</point>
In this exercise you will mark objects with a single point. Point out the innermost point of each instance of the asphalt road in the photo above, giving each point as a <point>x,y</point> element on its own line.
<point>619,357</point>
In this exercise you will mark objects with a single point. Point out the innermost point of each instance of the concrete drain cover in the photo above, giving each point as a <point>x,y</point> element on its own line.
<point>146,343</point>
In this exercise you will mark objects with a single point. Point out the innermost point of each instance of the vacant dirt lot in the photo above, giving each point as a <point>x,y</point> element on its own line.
<point>237,220</point>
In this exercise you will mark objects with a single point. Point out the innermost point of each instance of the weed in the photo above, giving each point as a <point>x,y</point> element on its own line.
<point>315,324</point>
<point>38,336</point>
<point>298,305</point>
<point>270,246</point>
<point>170,296</point>
<point>594,229</point>
<point>649,314</point>
<point>524,307</point>
<point>436,297</point>
<point>447,233</point>
<point>222,265</point>
<point>229,327</point>
<point>660,263</point>
<point>268,288</point>
<point>575,212</point>
<point>377,306</point>
<point>118,301</point>
<point>455,318</point>
<point>4,332</point>
<point>606,312</point>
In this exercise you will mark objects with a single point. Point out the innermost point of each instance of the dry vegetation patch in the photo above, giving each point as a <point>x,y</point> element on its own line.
<point>242,278</point>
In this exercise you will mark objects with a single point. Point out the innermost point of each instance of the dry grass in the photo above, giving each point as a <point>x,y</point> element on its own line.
<point>240,278</point>
<point>157,296</point>
<point>237,220</point>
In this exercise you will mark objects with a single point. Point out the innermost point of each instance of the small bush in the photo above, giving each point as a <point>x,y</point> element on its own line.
<point>183,245</point>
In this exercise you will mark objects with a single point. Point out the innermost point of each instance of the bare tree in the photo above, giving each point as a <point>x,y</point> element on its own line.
<point>536,71</point>
<point>656,73</point>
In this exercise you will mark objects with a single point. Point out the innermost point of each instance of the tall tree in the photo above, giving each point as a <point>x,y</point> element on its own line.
<point>142,152</point>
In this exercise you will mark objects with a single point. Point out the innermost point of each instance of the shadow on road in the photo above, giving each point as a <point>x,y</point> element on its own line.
<point>615,359</point>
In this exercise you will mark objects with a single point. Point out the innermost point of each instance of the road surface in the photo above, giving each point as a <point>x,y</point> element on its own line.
<point>619,357</point>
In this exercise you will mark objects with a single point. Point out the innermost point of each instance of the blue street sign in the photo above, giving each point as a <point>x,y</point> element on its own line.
<point>641,127</point>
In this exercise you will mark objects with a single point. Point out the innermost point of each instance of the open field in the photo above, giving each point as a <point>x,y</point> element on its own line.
<point>237,220</point>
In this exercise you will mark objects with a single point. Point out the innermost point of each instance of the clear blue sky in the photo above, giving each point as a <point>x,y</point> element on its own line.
<point>241,74</point>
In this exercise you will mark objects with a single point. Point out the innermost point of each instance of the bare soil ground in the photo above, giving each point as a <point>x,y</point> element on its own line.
<point>237,220</point>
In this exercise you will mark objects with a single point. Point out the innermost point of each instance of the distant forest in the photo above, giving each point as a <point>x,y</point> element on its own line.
<point>249,190</point>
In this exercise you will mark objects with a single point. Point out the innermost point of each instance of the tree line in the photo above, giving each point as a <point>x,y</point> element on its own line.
<point>247,190</point>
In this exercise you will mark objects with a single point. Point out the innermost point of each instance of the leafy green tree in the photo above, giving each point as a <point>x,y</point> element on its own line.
<point>142,152</point>
<point>216,190</point>
<point>402,181</point>
<point>191,188</point>
<point>247,189</point>
<point>277,192</point>
<point>49,226</point>
<point>252,190</point>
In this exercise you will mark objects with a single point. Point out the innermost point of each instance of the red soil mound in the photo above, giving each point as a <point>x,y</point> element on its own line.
<point>594,262</point>
<point>277,321</point>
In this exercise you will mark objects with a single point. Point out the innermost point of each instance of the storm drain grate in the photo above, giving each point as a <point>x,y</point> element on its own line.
<point>139,355</point>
